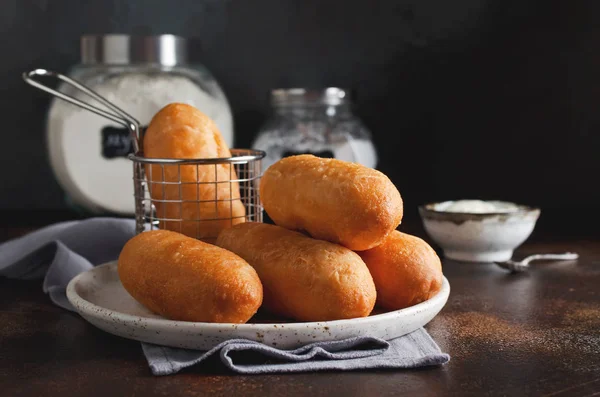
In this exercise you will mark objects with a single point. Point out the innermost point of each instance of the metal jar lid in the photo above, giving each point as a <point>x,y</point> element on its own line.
<point>330,96</point>
<point>121,49</point>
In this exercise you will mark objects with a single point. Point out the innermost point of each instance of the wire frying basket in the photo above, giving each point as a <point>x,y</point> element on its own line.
<point>196,197</point>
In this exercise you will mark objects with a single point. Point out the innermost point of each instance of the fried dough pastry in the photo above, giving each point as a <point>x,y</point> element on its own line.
<point>182,278</point>
<point>303,278</point>
<point>333,200</point>
<point>406,271</point>
<point>181,131</point>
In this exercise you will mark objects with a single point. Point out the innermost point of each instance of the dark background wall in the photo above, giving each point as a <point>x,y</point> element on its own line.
<point>468,98</point>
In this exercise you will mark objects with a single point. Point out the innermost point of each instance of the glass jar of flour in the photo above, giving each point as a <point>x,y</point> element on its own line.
<point>318,122</point>
<point>141,75</point>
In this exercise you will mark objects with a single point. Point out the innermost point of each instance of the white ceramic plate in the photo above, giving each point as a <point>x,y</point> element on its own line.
<point>100,298</point>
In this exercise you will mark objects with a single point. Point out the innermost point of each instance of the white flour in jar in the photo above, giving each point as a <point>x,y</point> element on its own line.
<point>75,136</point>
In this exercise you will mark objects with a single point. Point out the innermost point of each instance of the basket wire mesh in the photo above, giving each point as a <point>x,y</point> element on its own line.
<point>197,197</point>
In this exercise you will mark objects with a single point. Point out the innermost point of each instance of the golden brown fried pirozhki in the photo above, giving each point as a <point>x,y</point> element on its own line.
<point>303,278</point>
<point>181,131</point>
<point>182,278</point>
<point>406,271</point>
<point>333,200</point>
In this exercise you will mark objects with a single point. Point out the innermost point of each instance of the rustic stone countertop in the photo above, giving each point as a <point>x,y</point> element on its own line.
<point>536,333</point>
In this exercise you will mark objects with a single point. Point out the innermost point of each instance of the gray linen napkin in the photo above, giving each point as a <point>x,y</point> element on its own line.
<point>59,252</point>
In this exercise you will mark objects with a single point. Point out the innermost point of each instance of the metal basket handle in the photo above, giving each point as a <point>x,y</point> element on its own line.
<point>119,115</point>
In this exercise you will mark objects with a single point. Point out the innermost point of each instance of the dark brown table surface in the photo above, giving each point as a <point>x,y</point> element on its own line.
<point>529,334</point>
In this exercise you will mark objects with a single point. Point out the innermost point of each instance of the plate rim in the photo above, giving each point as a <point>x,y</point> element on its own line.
<point>88,308</point>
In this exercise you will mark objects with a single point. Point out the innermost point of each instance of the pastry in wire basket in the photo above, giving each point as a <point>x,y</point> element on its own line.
<point>196,200</point>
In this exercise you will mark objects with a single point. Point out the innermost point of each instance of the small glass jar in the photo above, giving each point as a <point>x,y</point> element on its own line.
<point>141,75</point>
<point>318,122</point>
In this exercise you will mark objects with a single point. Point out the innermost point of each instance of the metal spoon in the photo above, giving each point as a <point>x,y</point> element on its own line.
<point>521,266</point>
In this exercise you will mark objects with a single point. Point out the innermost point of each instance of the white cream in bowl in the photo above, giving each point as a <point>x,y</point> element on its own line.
<point>478,231</point>
<point>476,207</point>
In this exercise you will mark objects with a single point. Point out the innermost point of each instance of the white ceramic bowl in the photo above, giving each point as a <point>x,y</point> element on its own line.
<point>489,237</point>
